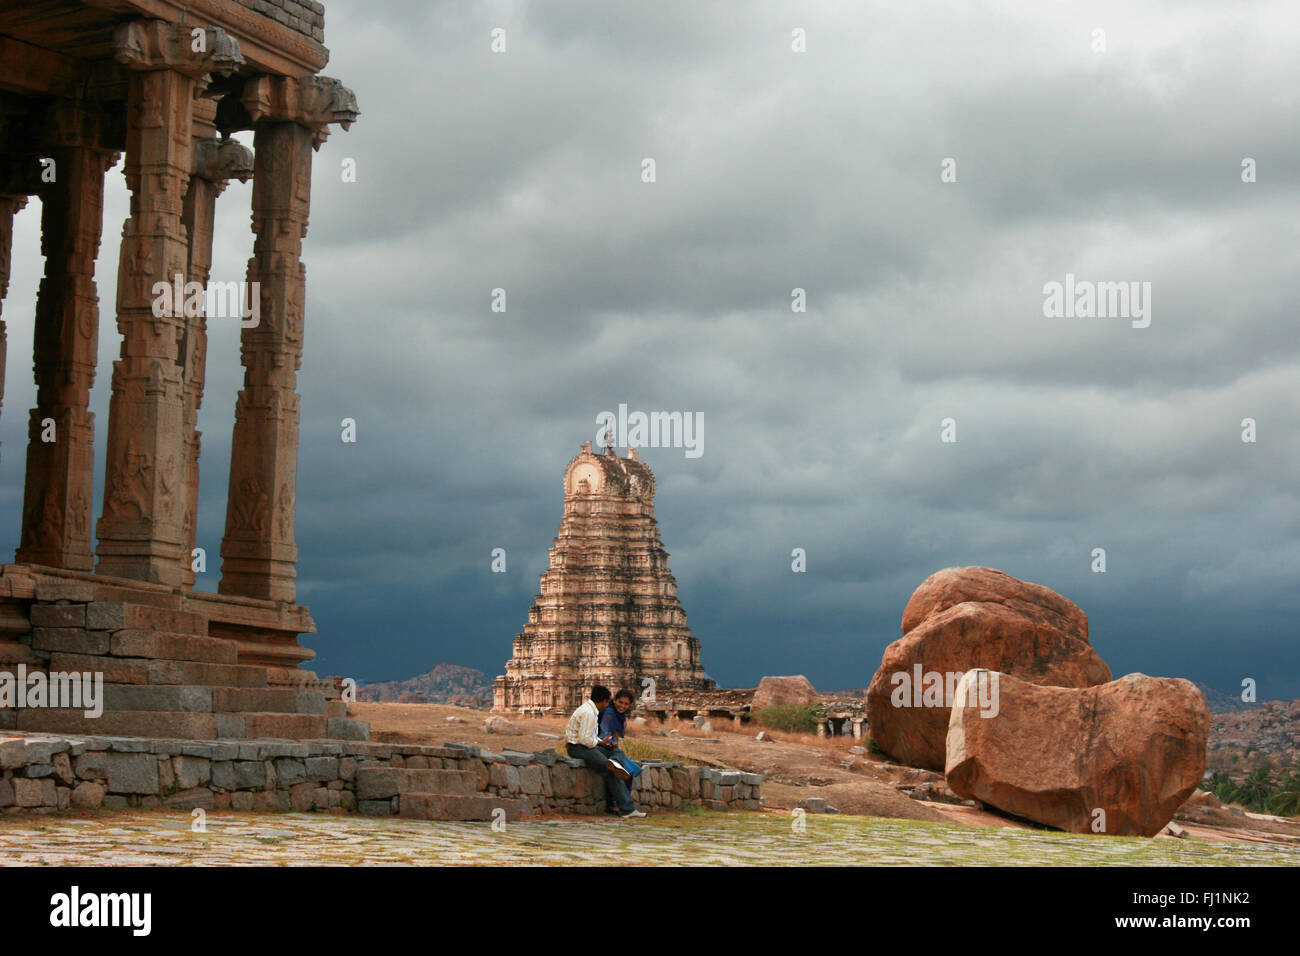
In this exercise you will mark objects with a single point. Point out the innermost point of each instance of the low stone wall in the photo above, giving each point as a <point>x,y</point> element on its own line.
<point>565,784</point>
<point>44,773</point>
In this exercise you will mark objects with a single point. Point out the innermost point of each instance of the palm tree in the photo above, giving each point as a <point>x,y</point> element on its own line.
<point>1221,786</point>
<point>1286,801</point>
<point>1254,793</point>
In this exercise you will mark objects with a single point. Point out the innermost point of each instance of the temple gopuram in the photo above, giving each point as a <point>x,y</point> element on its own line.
<point>608,611</point>
<point>161,85</point>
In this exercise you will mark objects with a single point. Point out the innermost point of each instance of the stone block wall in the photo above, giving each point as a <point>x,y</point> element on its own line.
<point>560,783</point>
<point>302,16</point>
<point>44,773</point>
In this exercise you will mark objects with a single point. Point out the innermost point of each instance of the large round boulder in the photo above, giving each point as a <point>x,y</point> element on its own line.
<point>783,691</point>
<point>1120,758</point>
<point>964,618</point>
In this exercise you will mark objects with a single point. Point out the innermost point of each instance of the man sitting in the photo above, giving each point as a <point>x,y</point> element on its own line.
<point>581,741</point>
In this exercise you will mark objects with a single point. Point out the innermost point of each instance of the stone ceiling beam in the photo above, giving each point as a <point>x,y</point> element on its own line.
<point>268,46</point>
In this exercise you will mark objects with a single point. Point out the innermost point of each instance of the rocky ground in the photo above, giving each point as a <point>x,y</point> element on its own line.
<point>798,766</point>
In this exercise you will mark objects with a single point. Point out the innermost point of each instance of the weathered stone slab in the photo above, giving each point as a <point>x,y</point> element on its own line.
<point>70,640</point>
<point>296,726</point>
<point>134,642</point>
<point>191,771</point>
<point>58,615</point>
<point>34,793</point>
<point>340,728</point>
<point>177,697</point>
<point>132,773</point>
<point>125,670</point>
<point>205,674</point>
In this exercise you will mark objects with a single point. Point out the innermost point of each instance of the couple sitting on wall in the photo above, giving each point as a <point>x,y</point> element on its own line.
<point>593,736</point>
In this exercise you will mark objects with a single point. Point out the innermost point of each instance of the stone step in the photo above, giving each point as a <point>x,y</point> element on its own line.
<point>441,806</point>
<point>142,670</point>
<point>345,728</point>
<point>181,724</point>
<point>178,698</point>
<point>112,616</point>
<point>70,640</point>
<point>207,674</point>
<point>212,700</point>
<point>287,726</point>
<point>336,708</point>
<point>279,700</point>
<point>116,670</point>
<point>125,723</point>
<point>382,783</point>
<point>172,646</point>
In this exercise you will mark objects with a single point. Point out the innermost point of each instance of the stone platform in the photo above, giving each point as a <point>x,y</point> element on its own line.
<point>45,773</point>
<point>173,663</point>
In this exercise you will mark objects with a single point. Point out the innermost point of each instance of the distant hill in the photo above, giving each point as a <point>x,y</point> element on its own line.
<point>1221,703</point>
<point>445,684</point>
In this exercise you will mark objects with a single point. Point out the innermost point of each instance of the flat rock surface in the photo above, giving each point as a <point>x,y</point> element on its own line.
<point>162,838</point>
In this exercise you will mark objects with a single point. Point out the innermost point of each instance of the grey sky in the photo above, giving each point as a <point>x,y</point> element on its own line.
<point>778,170</point>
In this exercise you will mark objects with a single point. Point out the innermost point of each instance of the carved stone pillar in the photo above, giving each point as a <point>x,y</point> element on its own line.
<point>142,531</point>
<point>289,117</point>
<point>60,457</point>
<point>215,162</point>
<point>258,550</point>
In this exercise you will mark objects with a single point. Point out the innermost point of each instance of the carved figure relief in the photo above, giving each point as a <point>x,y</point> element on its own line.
<point>80,512</point>
<point>167,486</point>
<point>251,508</point>
<point>130,484</point>
<point>286,512</point>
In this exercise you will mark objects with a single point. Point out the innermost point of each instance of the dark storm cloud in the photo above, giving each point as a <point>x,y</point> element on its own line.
<point>775,171</point>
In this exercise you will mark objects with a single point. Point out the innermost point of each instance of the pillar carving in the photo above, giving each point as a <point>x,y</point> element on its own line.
<point>142,531</point>
<point>258,551</point>
<point>57,504</point>
<point>290,117</point>
<point>215,163</point>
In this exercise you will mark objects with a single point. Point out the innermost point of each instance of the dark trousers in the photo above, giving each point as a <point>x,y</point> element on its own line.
<point>595,758</point>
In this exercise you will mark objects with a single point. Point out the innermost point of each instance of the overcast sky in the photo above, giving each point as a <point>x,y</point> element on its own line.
<point>778,170</point>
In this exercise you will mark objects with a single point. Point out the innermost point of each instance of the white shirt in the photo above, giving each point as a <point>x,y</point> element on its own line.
<point>583,726</point>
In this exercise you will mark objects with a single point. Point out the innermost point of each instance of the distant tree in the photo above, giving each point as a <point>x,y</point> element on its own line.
<point>1222,786</point>
<point>1286,799</point>
<point>1255,791</point>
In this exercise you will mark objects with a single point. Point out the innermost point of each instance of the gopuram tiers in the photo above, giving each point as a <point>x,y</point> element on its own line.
<point>608,611</point>
<point>161,86</point>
